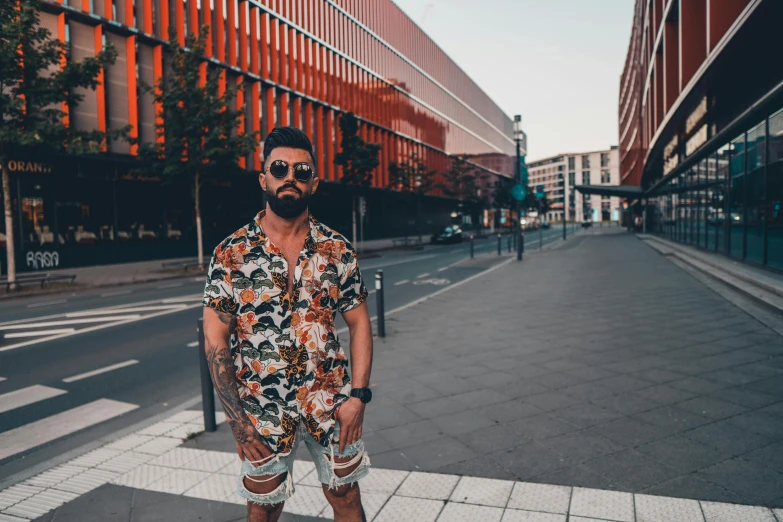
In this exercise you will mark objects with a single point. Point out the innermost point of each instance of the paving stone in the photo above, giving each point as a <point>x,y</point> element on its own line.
<point>411,434</point>
<point>672,417</point>
<point>508,411</point>
<point>727,438</point>
<point>719,512</point>
<point>478,467</point>
<point>608,505</point>
<point>459,423</point>
<point>692,487</point>
<point>437,453</point>
<point>552,400</point>
<point>631,468</point>
<point>530,460</point>
<point>651,508</point>
<point>540,427</point>
<point>586,415</point>
<point>456,512</point>
<point>758,484</point>
<point>631,432</point>
<point>483,491</point>
<point>490,439</point>
<point>435,486</point>
<point>682,453</point>
<point>540,497</point>
<point>711,407</point>
<point>406,508</point>
<point>580,447</point>
<point>770,456</point>
<point>383,480</point>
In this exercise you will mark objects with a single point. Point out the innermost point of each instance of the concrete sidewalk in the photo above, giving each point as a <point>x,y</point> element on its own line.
<point>595,381</point>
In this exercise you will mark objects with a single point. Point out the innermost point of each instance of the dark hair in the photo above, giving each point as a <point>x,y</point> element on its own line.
<point>287,137</point>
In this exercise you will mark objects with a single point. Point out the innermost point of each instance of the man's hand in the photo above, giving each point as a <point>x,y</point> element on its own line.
<point>250,445</point>
<point>350,416</point>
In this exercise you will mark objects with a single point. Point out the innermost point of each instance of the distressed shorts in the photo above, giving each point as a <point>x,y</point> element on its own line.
<point>322,457</point>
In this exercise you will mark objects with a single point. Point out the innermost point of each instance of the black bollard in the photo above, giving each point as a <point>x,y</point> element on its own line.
<point>520,246</point>
<point>509,244</point>
<point>500,246</point>
<point>379,304</point>
<point>207,389</point>
<point>471,246</point>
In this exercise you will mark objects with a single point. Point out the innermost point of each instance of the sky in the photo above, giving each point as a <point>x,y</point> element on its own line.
<point>555,62</point>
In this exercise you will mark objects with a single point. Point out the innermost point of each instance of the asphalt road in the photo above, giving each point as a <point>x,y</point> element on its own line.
<point>135,345</point>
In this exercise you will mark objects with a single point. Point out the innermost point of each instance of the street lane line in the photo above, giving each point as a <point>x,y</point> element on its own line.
<point>32,394</point>
<point>371,292</point>
<point>47,303</point>
<point>398,283</point>
<point>400,262</point>
<point>170,285</point>
<point>51,428</point>
<point>38,333</point>
<point>441,269</point>
<point>111,294</point>
<point>422,275</point>
<point>123,310</point>
<point>192,344</point>
<point>192,297</point>
<point>2,379</point>
<point>94,328</point>
<point>100,371</point>
<point>85,320</point>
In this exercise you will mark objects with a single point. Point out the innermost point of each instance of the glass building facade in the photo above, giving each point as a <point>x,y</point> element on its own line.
<point>298,62</point>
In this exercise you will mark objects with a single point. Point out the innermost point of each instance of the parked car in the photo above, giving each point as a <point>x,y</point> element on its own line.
<point>449,234</point>
<point>528,224</point>
<point>587,223</point>
<point>545,224</point>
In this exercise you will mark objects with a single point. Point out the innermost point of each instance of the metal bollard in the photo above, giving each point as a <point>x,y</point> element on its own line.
<point>471,246</point>
<point>500,246</point>
<point>207,389</point>
<point>379,303</point>
<point>540,238</point>
<point>509,243</point>
<point>520,246</point>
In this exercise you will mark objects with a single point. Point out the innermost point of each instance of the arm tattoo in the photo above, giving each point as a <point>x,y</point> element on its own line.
<point>221,366</point>
<point>228,319</point>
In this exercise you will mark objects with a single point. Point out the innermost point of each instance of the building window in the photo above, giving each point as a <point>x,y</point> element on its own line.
<point>571,179</point>
<point>606,176</point>
<point>604,159</point>
<point>571,163</point>
<point>586,161</point>
<point>586,178</point>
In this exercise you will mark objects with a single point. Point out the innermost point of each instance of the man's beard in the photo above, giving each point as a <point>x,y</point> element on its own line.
<point>287,206</point>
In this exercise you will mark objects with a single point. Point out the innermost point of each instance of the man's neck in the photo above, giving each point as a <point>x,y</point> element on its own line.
<point>285,228</point>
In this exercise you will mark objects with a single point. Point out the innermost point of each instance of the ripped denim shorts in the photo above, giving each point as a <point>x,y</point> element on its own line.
<point>323,458</point>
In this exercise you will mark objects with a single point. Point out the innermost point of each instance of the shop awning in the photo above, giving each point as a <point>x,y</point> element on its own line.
<point>621,191</point>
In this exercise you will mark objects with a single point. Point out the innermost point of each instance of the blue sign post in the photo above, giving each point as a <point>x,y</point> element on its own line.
<point>519,192</point>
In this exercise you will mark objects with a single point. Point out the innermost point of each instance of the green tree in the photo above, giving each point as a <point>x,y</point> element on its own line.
<point>358,158</point>
<point>198,134</point>
<point>39,86</point>
<point>467,182</point>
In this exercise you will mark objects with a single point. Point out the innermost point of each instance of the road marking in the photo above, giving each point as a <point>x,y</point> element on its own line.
<point>192,345</point>
<point>111,294</point>
<point>32,394</point>
<point>441,269</point>
<point>98,327</point>
<point>70,321</point>
<point>50,428</point>
<point>400,262</point>
<point>2,379</point>
<point>170,285</point>
<point>101,370</point>
<point>398,283</point>
<point>47,303</point>
<point>38,333</point>
<point>192,297</point>
<point>436,282</point>
<point>199,279</point>
<point>108,311</point>
<point>422,275</point>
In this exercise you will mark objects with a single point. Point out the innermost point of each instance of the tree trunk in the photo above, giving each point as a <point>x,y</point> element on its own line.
<point>9,230</point>
<point>199,232</point>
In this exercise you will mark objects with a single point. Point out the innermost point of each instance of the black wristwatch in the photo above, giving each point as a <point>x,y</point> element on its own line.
<point>363,394</point>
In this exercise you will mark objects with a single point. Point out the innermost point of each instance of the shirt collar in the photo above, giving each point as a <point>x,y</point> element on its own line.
<point>310,243</point>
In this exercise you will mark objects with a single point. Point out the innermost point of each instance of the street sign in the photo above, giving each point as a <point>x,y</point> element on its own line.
<point>519,192</point>
<point>362,206</point>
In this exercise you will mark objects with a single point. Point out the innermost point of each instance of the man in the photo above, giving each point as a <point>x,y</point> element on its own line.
<point>272,292</point>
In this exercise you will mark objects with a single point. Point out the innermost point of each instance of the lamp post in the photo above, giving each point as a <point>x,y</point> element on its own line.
<point>517,228</point>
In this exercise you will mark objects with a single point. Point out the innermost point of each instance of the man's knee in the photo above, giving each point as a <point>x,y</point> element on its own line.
<point>344,466</point>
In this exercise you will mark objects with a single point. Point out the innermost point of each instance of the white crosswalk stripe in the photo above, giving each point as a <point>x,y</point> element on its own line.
<point>41,329</point>
<point>99,371</point>
<point>25,396</point>
<point>59,425</point>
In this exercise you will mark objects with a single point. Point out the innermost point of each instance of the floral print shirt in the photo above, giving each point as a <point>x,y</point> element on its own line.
<point>289,364</point>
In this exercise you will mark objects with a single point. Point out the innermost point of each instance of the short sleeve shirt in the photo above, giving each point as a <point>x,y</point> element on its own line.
<point>290,366</point>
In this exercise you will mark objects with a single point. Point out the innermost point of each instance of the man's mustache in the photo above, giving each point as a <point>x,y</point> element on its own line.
<point>284,187</point>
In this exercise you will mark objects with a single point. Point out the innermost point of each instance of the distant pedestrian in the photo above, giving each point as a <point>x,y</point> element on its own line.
<point>273,289</point>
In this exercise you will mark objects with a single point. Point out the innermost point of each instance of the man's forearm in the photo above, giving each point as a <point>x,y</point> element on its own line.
<point>221,367</point>
<point>361,355</point>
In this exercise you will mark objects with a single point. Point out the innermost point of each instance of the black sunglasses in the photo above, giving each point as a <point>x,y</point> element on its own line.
<point>302,171</point>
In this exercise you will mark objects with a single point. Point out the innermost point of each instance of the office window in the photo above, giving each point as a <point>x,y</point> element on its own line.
<point>604,159</point>
<point>571,179</point>
<point>606,176</point>
<point>586,161</point>
<point>586,178</point>
<point>571,163</point>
